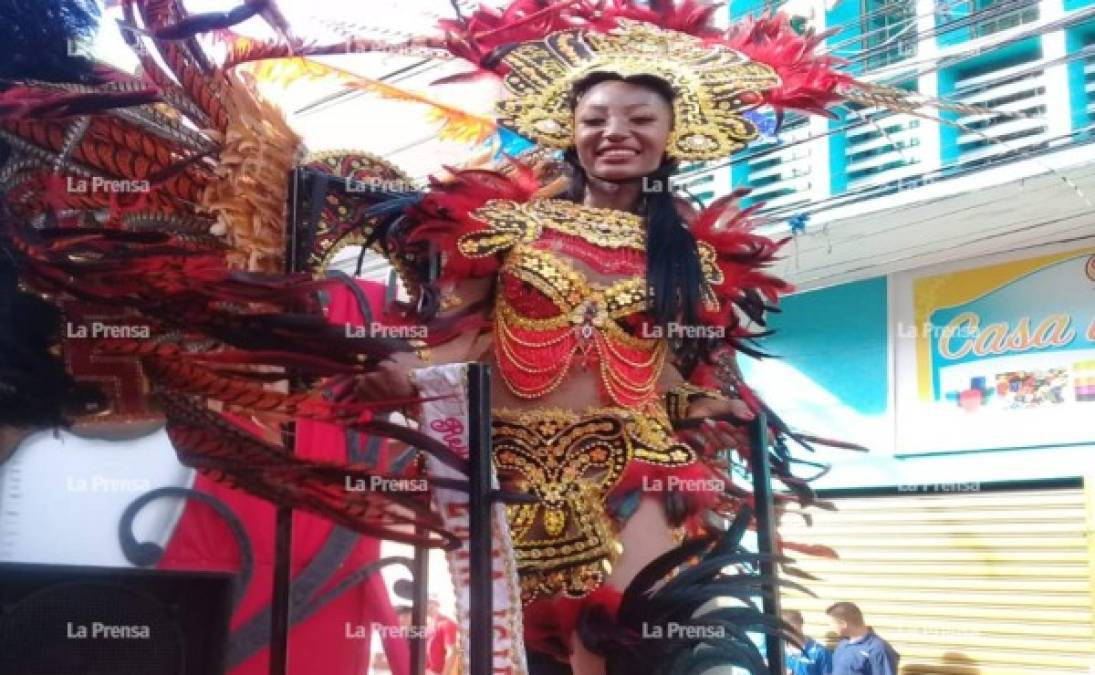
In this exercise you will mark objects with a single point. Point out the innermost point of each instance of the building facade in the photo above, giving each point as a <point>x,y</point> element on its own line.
<point>945,319</point>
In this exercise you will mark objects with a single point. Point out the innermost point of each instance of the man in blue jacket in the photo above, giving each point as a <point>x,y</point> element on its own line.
<point>861,651</point>
<point>813,658</point>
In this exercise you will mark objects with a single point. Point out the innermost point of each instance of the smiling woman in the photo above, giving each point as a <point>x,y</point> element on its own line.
<point>584,293</point>
<point>621,127</point>
<point>619,161</point>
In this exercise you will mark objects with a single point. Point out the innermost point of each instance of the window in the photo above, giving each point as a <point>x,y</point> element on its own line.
<point>889,31</point>
<point>997,18</point>
<point>1089,80</point>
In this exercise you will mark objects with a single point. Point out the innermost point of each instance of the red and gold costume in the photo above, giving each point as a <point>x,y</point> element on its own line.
<point>549,320</point>
<point>570,295</point>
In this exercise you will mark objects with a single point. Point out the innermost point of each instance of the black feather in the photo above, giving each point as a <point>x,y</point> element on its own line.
<point>719,636</point>
<point>37,39</point>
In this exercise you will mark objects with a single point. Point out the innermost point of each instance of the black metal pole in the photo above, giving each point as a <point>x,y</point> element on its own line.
<point>283,517</point>
<point>279,600</point>
<point>421,579</point>
<point>480,632</point>
<point>766,531</point>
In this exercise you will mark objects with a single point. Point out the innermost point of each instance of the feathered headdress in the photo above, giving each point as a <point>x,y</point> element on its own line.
<point>540,49</point>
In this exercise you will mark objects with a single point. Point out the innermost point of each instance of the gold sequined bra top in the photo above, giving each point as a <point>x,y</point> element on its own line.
<point>549,315</point>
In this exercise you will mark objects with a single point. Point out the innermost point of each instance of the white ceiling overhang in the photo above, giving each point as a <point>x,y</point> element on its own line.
<point>1010,207</point>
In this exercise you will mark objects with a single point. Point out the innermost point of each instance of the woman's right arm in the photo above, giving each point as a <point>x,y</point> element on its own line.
<point>392,378</point>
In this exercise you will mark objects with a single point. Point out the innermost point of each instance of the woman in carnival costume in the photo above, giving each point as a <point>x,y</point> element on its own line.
<point>610,314</point>
<point>609,310</point>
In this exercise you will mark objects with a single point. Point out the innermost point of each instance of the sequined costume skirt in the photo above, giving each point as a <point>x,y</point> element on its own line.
<point>588,471</point>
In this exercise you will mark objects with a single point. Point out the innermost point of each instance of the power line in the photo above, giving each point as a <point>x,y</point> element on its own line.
<point>947,172</point>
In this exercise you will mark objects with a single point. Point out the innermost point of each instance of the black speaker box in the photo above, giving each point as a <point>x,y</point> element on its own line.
<point>61,620</point>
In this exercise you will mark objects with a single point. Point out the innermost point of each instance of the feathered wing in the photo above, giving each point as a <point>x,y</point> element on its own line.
<point>222,337</point>
<point>199,252</point>
<point>191,241</point>
<point>741,291</point>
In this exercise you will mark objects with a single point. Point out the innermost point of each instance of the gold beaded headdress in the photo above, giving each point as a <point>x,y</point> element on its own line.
<point>713,85</point>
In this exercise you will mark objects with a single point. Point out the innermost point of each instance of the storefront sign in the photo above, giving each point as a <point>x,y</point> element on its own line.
<point>999,355</point>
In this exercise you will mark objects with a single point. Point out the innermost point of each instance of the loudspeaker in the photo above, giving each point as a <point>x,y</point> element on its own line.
<point>62,620</point>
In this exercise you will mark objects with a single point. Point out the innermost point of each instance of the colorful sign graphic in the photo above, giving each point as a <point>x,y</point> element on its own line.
<point>1001,355</point>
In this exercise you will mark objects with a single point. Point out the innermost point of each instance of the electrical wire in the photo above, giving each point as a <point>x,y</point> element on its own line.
<point>1082,234</point>
<point>833,48</point>
<point>393,77</point>
<point>945,172</point>
<point>950,215</point>
<point>946,60</point>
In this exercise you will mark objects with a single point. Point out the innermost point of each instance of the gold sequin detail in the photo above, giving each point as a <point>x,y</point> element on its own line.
<point>712,275</point>
<point>591,312</point>
<point>565,543</point>
<point>510,223</point>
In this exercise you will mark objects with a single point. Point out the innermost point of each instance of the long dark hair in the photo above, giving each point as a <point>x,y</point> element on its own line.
<point>674,278</point>
<point>36,391</point>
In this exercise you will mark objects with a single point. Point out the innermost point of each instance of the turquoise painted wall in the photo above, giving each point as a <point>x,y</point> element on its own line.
<point>742,7</point>
<point>1077,39</point>
<point>844,18</point>
<point>838,155</point>
<point>837,337</point>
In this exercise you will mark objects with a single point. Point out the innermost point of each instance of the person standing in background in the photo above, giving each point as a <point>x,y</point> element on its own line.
<point>813,658</point>
<point>861,651</point>
<point>443,635</point>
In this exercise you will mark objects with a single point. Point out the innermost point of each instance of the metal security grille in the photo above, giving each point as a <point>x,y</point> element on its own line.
<point>960,581</point>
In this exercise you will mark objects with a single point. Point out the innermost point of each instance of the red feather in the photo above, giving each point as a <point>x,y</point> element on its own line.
<point>741,256</point>
<point>32,103</point>
<point>445,214</point>
<point>808,80</point>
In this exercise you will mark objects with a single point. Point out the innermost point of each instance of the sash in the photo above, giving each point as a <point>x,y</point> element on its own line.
<point>446,419</point>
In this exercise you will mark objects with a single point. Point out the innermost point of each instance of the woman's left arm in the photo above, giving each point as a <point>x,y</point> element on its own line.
<point>690,403</point>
